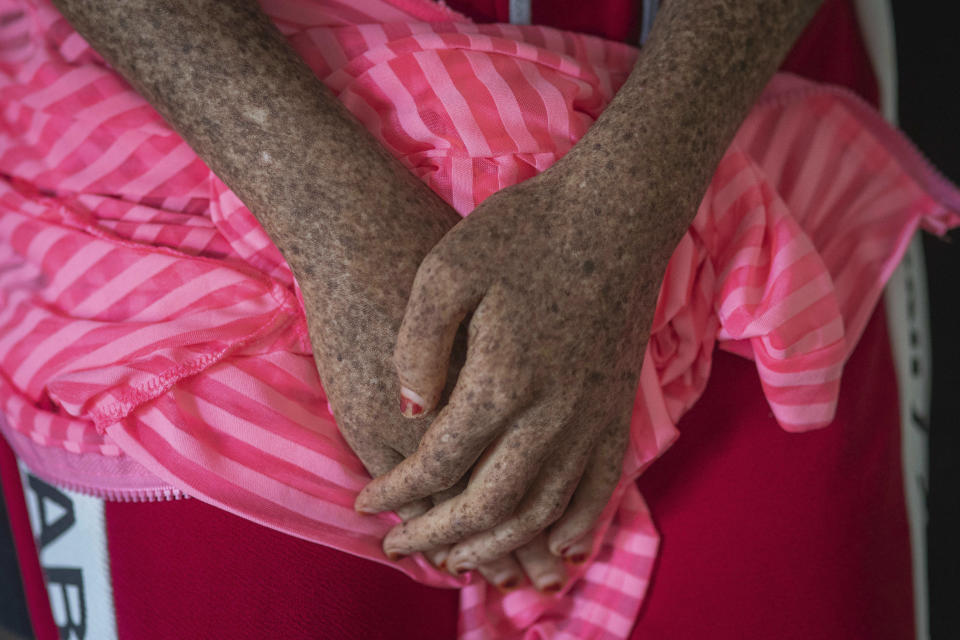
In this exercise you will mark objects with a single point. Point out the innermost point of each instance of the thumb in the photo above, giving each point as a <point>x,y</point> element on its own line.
<point>439,301</point>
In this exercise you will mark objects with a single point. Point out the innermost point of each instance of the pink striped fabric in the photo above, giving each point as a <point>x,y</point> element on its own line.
<point>149,329</point>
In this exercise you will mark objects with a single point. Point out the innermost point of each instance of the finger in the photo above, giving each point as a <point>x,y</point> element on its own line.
<point>543,505</point>
<point>498,484</point>
<point>451,445</point>
<point>410,511</point>
<point>381,460</point>
<point>454,441</point>
<point>504,573</point>
<point>599,480</point>
<point>438,556</point>
<point>440,299</point>
<point>580,550</point>
<point>447,494</point>
<point>545,570</point>
<point>378,460</point>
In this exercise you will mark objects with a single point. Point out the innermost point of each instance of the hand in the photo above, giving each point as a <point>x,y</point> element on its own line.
<point>562,292</point>
<point>354,306</point>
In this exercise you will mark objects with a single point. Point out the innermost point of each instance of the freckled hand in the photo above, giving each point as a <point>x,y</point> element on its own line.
<point>539,418</point>
<point>561,274</point>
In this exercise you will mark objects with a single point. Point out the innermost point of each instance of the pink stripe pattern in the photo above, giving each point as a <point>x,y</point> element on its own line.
<point>151,335</point>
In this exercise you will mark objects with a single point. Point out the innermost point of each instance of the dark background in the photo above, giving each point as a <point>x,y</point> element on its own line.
<point>929,70</point>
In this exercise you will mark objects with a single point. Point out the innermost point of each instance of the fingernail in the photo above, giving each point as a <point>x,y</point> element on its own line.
<point>509,583</point>
<point>360,506</point>
<point>411,404</point>
<point>577,553</point>
<point>551,585</point>
<point>395,555</point>
<point>439,558</point>
<point>463,568</point>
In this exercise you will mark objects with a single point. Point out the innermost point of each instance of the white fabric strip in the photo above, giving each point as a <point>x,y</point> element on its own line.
<point>519,11</point>
<point>908,315</point>
<point>908,323</point>
<point>650,8</point>
<point>71,536</point>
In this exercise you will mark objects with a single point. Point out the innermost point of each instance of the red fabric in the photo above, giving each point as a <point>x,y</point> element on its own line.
<point>614,19</point>
<point>767,534</point>
<point>184,569</point>
<point>35,590</point>
<point>483,10</point>
<point>831,50</point>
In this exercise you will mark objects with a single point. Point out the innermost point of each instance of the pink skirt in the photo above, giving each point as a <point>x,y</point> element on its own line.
<point>145,314</point>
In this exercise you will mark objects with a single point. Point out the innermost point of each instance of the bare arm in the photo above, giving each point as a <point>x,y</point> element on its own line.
<point>228,82</point>
<point>661,138</point>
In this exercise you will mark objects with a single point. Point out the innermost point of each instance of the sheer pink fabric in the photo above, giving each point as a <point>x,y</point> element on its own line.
<point>151,338</point>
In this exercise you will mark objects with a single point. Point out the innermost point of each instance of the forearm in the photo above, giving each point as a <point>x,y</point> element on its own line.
<point>229,83</point>
<point>662,136</point>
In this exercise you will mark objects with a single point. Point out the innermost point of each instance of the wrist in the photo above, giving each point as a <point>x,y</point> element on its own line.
<point>646,202</point>
<point>651,154</point>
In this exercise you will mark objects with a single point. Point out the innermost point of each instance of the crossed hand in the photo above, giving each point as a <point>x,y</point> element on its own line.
<point>514,340</point>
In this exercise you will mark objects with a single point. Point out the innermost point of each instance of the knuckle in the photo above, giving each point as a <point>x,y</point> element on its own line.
<point>496,390</point>
<point>511,388</point>
<point>544,513</point>
<point>485,519</point>
<point>433,264</point>
<point>589,513</point>
<point>563,406</point>
<point>436,472</point>
<point>490,510</point>
<point>607,478</point>
<point>439,279</point>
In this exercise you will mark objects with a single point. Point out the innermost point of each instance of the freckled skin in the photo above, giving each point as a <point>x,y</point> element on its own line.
<point>560,273</point>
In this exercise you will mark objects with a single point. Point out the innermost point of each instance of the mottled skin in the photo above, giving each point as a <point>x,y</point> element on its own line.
<point>560,273</point>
